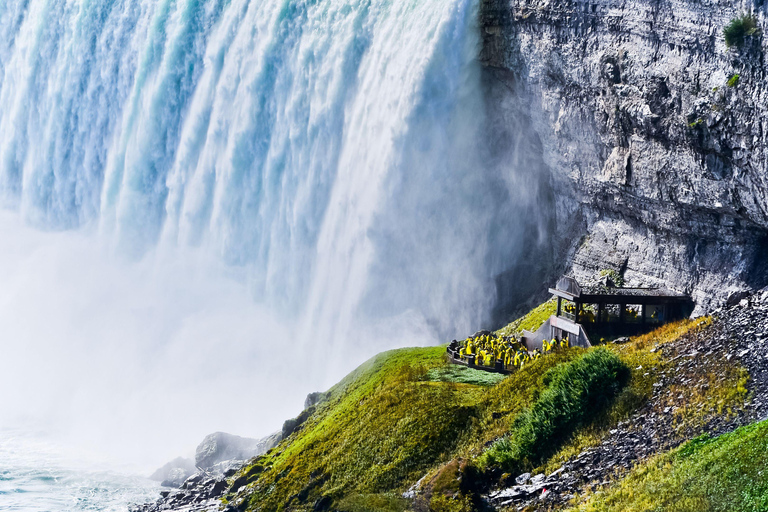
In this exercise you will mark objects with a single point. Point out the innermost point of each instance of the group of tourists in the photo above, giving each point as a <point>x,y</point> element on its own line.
<point>511,352</point>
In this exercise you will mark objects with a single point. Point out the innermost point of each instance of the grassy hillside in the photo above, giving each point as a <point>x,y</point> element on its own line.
<point>408,415</point>
<point>727,473</point>
<point>386,425</point>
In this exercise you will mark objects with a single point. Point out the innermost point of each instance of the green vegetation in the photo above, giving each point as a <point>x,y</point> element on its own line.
<point>733,81</point>
<point>371,435</point>
<point>530,322</point>
<point>385,426</point>
<point>614,276</point>
<point>408,415</point>
<point>463,375</point>
<point>577,392</point>
<point>643,356</point>
<point>369,502</point>
<point>722,474</point>
<point>739,28</point>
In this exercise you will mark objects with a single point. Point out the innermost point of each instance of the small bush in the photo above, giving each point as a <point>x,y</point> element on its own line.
<point>733,81</point>
<point>368,502</point>
<point>738,28</point>
<point>614,276</point>
<point>577,392</point>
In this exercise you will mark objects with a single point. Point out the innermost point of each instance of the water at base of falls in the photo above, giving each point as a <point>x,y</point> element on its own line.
<point>35,476</point>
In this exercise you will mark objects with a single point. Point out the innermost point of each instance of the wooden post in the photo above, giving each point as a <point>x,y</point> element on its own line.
<point>622,311</point>
<point>559,304</point>
<point>642,314</point>
<point>576,313</point>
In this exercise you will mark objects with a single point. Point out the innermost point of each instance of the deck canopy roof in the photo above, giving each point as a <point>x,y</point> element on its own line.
<point>567,288</point>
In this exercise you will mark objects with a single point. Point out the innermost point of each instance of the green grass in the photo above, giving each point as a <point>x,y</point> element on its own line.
<point>575,394</point>
<point>385,426</point>
<point>733,81</point>
<point>723,390</point>
<point>463,375</point>
<point>727,473</point>
<point>739,28</point>
<point>381,429</point>
<point>531,321</point>
<point>369,502</point>
<point>407,414</point>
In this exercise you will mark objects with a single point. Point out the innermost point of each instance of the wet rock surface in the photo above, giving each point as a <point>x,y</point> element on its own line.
<point>198,493</point>
<point>174,473</point>
<point>739,333</point>
<point>655,157</point>
<point>218,457</point>
<point>220,447</point>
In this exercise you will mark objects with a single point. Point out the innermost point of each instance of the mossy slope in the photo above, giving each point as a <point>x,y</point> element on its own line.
<point>726,473</point>
<point>385,426</point>
<point>407,414</point>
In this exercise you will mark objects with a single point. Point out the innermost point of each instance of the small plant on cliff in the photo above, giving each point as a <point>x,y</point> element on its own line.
<point>577,392</point>
<point>739,28</point>
<point>614,276</point>
<point>733,81</point>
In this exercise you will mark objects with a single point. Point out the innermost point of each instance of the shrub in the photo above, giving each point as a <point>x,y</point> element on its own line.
<point>738,28</point>
<point>733,81</point>
<point>614,276</point>
<point>577,392</point>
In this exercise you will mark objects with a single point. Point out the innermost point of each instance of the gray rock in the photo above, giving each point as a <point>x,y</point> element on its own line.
<point>315,398</point>
<point>645,159</point>
<point>220,446</point>
<point>292,425</point>
<point>556,473</point>
<point>522,479</point>
<point>174,473</point>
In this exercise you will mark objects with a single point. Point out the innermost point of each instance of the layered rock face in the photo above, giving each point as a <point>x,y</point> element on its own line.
<point>656,154</point>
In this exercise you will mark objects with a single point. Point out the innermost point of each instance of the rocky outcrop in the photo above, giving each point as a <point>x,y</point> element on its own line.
<point>174,473</point>
<point>220,447</point>
<point>655,154</point>
<point>218,457</point>
<point>218,454</point>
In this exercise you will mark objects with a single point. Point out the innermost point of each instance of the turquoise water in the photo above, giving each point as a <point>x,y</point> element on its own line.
<point>38,476</point>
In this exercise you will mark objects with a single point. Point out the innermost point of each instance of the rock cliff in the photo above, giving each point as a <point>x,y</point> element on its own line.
<point>652,133</point>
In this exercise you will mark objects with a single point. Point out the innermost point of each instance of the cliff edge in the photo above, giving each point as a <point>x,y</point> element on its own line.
<point>652,132</point>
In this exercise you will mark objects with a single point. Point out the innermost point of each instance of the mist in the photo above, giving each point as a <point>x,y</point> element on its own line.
<point>214,208</point>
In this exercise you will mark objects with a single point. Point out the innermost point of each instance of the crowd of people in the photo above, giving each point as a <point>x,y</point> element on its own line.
<point>487,349</point>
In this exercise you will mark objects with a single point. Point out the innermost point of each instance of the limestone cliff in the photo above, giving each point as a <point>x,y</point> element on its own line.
<point>656,156</point>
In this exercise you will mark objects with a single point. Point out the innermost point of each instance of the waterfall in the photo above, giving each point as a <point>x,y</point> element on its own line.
<point>332,152</point>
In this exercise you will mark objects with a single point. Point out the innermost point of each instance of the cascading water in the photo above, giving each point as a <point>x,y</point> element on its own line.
<point>332,153</point>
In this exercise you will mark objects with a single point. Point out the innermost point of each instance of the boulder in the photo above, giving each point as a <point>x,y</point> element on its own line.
<point>174,473</point>
<point>292,425</point>
<point>220,447</point>
<point>315,398</point>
